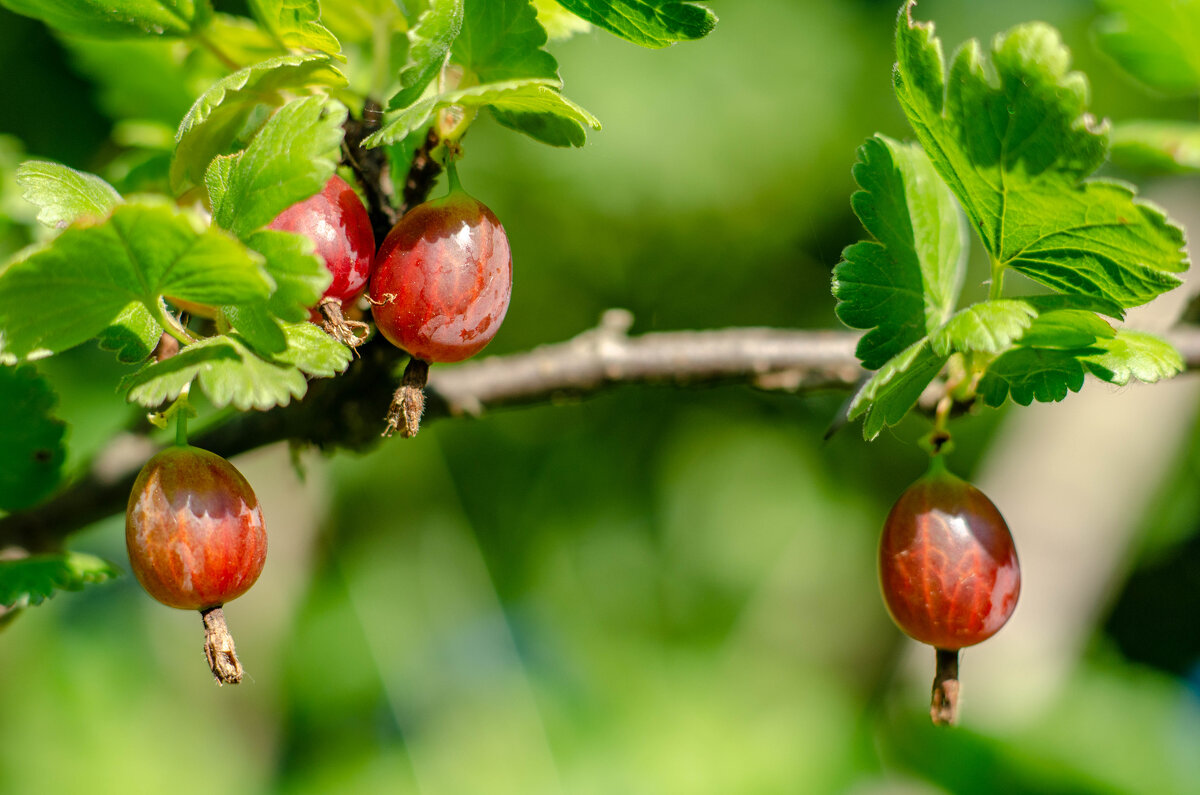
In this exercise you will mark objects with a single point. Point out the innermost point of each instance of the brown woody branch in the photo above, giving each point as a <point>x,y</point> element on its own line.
<point>348,411</point>
<point>606,356</point>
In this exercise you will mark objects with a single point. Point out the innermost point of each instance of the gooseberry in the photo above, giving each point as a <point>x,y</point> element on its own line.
<point>337,223</point>
<point>442,279</point>
<point>948,570</point>
<point>196,539</point>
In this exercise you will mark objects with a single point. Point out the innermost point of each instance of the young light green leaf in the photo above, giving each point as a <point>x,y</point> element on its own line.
<point>896,387</point>
<point>1133,354</point>
<point>77,286</point>
<point>313,351</point>
<point>1158,146</point>
<point>1066,329</point>
<point>502,40</point>
<point>558,22</point>
<point>986,327</point>
<point>429,43</point>
<point>31,438</point>
<point>291,158</point>
<point>1028,374</point>
<point>649,23</point>
<point>228,372</point>
<point>299,275</point>
<point>64,194</point>
<point>32,580</point>
<point>241,40</point>
<point>218,117</point>
<point>117,18</point>
<point>533,95</point>
<point>133,335</point>
<point>1155,41</point>
<point>269,78</point>
<point>358,22</point>
<point>296,24</point>
<point>905,283</point>
<point>1015,146</point>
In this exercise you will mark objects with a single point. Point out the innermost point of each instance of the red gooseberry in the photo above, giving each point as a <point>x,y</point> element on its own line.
<point>442,279</point>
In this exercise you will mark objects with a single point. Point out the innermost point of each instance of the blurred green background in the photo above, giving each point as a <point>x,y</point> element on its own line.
<point>653,590</point>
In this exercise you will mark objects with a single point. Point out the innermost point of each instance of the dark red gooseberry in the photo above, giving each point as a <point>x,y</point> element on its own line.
<point>442,279</point>
<point>947,564</point>
<point>194,529</point>
<point>337,223</point>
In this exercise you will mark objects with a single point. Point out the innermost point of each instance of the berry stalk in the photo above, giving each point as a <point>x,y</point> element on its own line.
<point>219,649</point>
<point>943,704</point>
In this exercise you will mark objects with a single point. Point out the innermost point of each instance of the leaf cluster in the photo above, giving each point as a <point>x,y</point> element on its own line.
<point>1004,147</point>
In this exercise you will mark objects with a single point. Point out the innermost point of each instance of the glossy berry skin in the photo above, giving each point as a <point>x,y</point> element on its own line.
<point>442,279</point>
<point>194,529</point>
<point>337,223</point>
<point>947,564</point>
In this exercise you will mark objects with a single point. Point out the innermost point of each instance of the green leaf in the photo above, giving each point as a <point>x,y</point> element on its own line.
<point>429,42</point>
<point>227,370</point>
<point>300,276</point>
<point>315,352</point>
<point>77,286</point>
<point>1029,374</point>
<point>1155,41</point>
<point>649,23</point>
<point>217,119</point>
<point>1134,354</point>
<point>257,327</point>
<point>1015,145</point>
<point>296,24</point>
<point>1157,146</point>
<point>1053,302</point>
<point>533,95</point>
<point>32,580</point>
<point>895,388</point>
<point>905,283</point>
<point>64,194</point>
<point>133,335</point>
<point>502,40</point>
<point>290,159</point>
<point>31,438</point>
<point>1066,329</point>
<point>565,125</point>
<point>116,18</point>
<point>987,327</point>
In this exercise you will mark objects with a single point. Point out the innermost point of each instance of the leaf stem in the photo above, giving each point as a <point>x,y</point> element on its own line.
<point>171,324</point>
<point>996,287</point>
<point>181,418</point>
